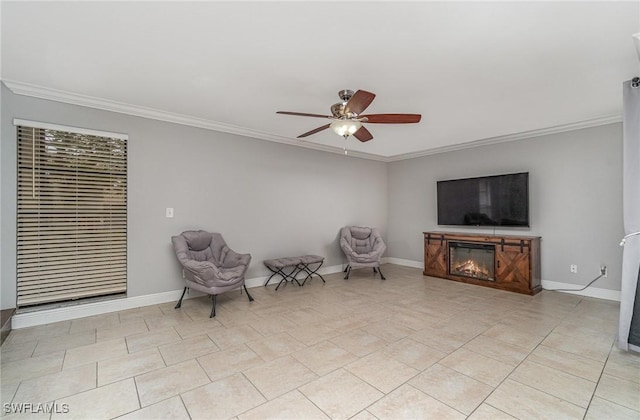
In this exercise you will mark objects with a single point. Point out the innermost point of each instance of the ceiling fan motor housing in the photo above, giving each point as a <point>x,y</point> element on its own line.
<point>338,109</point>
<point>345,94</point>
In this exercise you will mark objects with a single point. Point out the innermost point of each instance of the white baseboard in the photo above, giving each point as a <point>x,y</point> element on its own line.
<point>546,284</point>
<point>400,261</point>
<point>47,316</point>
<point>65,313</point>
<point>595,292</point>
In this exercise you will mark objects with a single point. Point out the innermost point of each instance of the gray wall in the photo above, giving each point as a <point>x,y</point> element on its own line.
<point>575,183</point>
<point>273,200</point>
<point>266,198</point>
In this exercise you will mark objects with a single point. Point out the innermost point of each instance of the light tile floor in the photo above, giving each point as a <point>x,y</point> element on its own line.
<point>408,347</point>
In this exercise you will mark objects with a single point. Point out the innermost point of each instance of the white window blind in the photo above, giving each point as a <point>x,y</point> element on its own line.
<point>72,215</point>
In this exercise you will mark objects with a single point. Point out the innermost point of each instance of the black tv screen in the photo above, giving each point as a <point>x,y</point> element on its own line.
<point>499,200</point>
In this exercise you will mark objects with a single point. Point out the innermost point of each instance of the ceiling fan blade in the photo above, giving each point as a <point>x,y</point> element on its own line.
<point>314,131</point>
<point>392,118</point>
<point>363,134</point>
<point>303,114</point>
<point>359,102</point>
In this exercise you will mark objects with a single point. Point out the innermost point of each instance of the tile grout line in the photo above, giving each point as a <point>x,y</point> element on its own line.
<point>438,363</point>
<point>266,400</point>
<point>618,404</point>
<point>595,389</point>
<point>185,406</point>
<point>313,403</point>
<point>514,369</point>
<point>442,402</point>
<point>319,299</point>
<point>496,408</point>
<point>586,409</point>
<point>135,383</point>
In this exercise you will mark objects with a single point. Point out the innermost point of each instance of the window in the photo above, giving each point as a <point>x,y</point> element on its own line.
<point>72,213</point>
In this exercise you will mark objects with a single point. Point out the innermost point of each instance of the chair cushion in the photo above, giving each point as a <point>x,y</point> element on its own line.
<point>359,232</point>
<point>203,256</point>
<point>197,240</point>
<point>232,273</point>
<point>219,249</point>
<point>363,246</point>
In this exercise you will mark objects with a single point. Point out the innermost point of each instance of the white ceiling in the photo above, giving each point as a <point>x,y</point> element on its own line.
<point>474,70</point>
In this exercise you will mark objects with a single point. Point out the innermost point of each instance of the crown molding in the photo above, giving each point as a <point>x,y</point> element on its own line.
<point>27,89</point>
<point>594,122</point>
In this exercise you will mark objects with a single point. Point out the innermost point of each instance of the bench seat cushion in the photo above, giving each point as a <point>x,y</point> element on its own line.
<point>282,262</point>
<point>311,259</point>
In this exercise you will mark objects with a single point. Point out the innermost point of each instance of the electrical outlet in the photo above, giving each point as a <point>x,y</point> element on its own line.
<point>573,268</point>
<point>603,270</point>
<point>169,212</point>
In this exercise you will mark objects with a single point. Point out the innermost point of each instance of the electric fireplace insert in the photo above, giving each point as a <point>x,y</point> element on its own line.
<point>472,260</point>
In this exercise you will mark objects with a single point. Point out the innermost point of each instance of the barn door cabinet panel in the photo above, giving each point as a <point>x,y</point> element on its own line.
<point>435,256</point>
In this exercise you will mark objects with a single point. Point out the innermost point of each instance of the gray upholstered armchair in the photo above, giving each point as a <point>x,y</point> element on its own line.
<point>209,265</point>
<point>363,247</point>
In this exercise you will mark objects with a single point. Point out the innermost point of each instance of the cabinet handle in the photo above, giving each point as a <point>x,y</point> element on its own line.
<point>498,263</point>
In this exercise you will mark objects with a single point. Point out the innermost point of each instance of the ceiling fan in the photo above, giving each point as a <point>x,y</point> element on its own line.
<point>347,118</point>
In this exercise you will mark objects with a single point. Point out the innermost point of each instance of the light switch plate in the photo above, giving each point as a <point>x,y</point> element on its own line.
<point>169,213</point>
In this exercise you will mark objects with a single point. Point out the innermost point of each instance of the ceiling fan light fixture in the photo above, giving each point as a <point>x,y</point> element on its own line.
<point>345,128</point>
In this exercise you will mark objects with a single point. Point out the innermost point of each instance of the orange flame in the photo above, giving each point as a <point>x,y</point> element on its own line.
<point>472,269</point>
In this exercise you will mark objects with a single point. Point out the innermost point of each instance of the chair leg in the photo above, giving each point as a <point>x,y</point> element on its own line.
<point>179,304</point>
<point>348,272</point>
<point>248,295</point>
<point>374,270</point>
<point>345,269</point>
<point>213,308</point>
<point>382,277</point>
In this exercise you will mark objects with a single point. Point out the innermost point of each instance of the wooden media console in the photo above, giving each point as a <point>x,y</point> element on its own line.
<point>509,263</point>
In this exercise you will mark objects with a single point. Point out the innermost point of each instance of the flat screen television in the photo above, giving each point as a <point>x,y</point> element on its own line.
<point>499,200</point>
